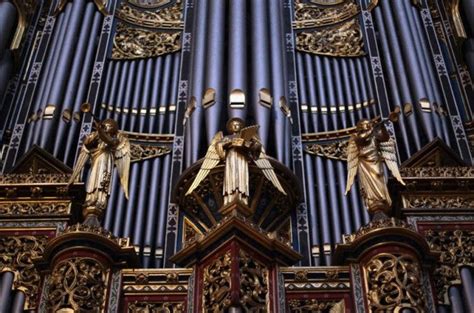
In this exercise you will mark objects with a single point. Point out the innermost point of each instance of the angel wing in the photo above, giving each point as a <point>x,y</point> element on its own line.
<point>81,161</point>
<point>211,159</point>
<point>122,162</point>
<point>388,152</point>
<point>264,164</point>
<point>352,162</point>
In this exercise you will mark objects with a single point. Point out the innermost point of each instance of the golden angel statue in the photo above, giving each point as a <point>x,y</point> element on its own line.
<point>236,150</point>
<point>105,147</point>
<point>368,149</point>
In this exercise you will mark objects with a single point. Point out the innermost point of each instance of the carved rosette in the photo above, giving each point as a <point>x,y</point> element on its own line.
<point>456,250</point>
<point>393,281</point>
<point>253,284</point>
<point>217,284</point>
<point>16,254</point>
<point>78,283</point>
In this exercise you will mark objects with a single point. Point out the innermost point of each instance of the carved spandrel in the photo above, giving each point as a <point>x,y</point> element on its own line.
<point>253,284</point>
<point>168,307</point>
<point>217,284</point>
<point>456,250</point>
<point>316,305</point>
<point>79,284</point>
<point>397,275</point>
<point>16,254</point>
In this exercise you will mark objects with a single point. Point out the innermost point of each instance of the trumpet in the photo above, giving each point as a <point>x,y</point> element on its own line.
<point>86,108</point>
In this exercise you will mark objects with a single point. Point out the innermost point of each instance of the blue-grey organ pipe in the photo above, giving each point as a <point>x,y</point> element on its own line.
<point>61,75</point>
<point>148,119</point>
<point>311,88</point>
<point>134,109</point>
<point>74,76</point>
<point>55,43</point>
<point>322,207</point>
<point>8,20</point>
<point>424,63</point>
<point>18,302</point>
<point>80,95</point>
<point>237,55</point>
<point>174,93</point>
<point>6,281</point>
<point>393,60</point>
<point>260,65</point>
<point>126,101</point>
<point>407,45</point>
<point>455,299</point>
<point>339,91</point>
<point>279,81</point>
<point>443,309</point>
<point>6,69</point>
<point>155,92</point>
<point>349,94</point>
<point>303,100</point>
<point>467,279</point>
<point>194,132</point>
<point>215,51</point>
<point>313,216</point>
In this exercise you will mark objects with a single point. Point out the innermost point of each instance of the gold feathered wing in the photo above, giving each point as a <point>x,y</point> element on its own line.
<point>352,163</point>
<point>264,164</point>
<point>122,162</point>
<point>211,159</point>
<point>388,152</point>
<point>81,161</point>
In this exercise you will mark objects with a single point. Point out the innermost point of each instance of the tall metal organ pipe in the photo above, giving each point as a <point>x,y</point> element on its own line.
<point>8,20</point>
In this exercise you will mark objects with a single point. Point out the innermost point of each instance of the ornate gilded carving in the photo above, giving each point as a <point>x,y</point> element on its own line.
<point>140,152</point>
<point>27,179</point>
<point>216,287</point>
<point>438,172</point>
<point>16,254</point>
<point>79,284</point>
<point>308,15</point>
<point>168,307</point>
<point>438,201</point>
<point>316,305</point>
<point>394,281</point>
<point>122,242</point>
<point>345,40</point>
<point>456,250</point>
<point>34,208</point>
<point>336,150</point>
<point>253,284</point>
<point>147,4</point>
<point>375,225</point>
<point>169,17</point>
<point>134,43</point>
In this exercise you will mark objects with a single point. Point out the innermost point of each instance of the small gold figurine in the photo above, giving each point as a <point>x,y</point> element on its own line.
<point>368,149</point>
<point>236,149</point>
<point>105,147</point>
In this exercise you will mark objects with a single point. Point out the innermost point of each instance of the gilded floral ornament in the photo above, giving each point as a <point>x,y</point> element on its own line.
<point>344,40</point>
<point>169,17</point>
<point>394,281</point>
<point>217,284</point>
<point>78,284</point>
<point>456,250</point>
<point>140,152</point>
<point>315,305</point>
<point>16,254</point>
<point>135,43</point>
<point>168,307</point>
<point>253,284</point>
<point>336,150</point>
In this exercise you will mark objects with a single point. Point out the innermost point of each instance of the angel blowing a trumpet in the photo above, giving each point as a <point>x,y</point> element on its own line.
<point>242,145</point>
<point>105,147</point>
<point>368,149</point>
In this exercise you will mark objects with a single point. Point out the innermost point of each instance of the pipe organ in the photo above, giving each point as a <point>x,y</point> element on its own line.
<point>302,75</point>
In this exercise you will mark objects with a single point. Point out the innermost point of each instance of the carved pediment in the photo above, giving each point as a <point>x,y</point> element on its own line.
<point>39,161</point>
<point>434,154</point>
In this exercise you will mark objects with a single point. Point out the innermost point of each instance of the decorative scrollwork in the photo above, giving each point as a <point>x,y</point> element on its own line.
<point>6,179</point>
<point>394,281</point>
<point>308,15</point>
<point>434,201</point>
<point>438,172</point>
<point>253,284</point>
<point>78,284</point>
<point>134,43</point>
<point>34,208</point>
<point>141,152</point>
<point>315,305</point>
<point>456,249</point>
<point>336,150</point>
<point>169,17</point>
<point>377,224</point>
<point>344,40</point>
<point>122,242</point>
<point>216,296</point>
<point>16,254</point>
<point>168,307</point>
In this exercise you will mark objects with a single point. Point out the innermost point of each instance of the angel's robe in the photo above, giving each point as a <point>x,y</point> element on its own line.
<point>371,177</point>
<point>236,177</point>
